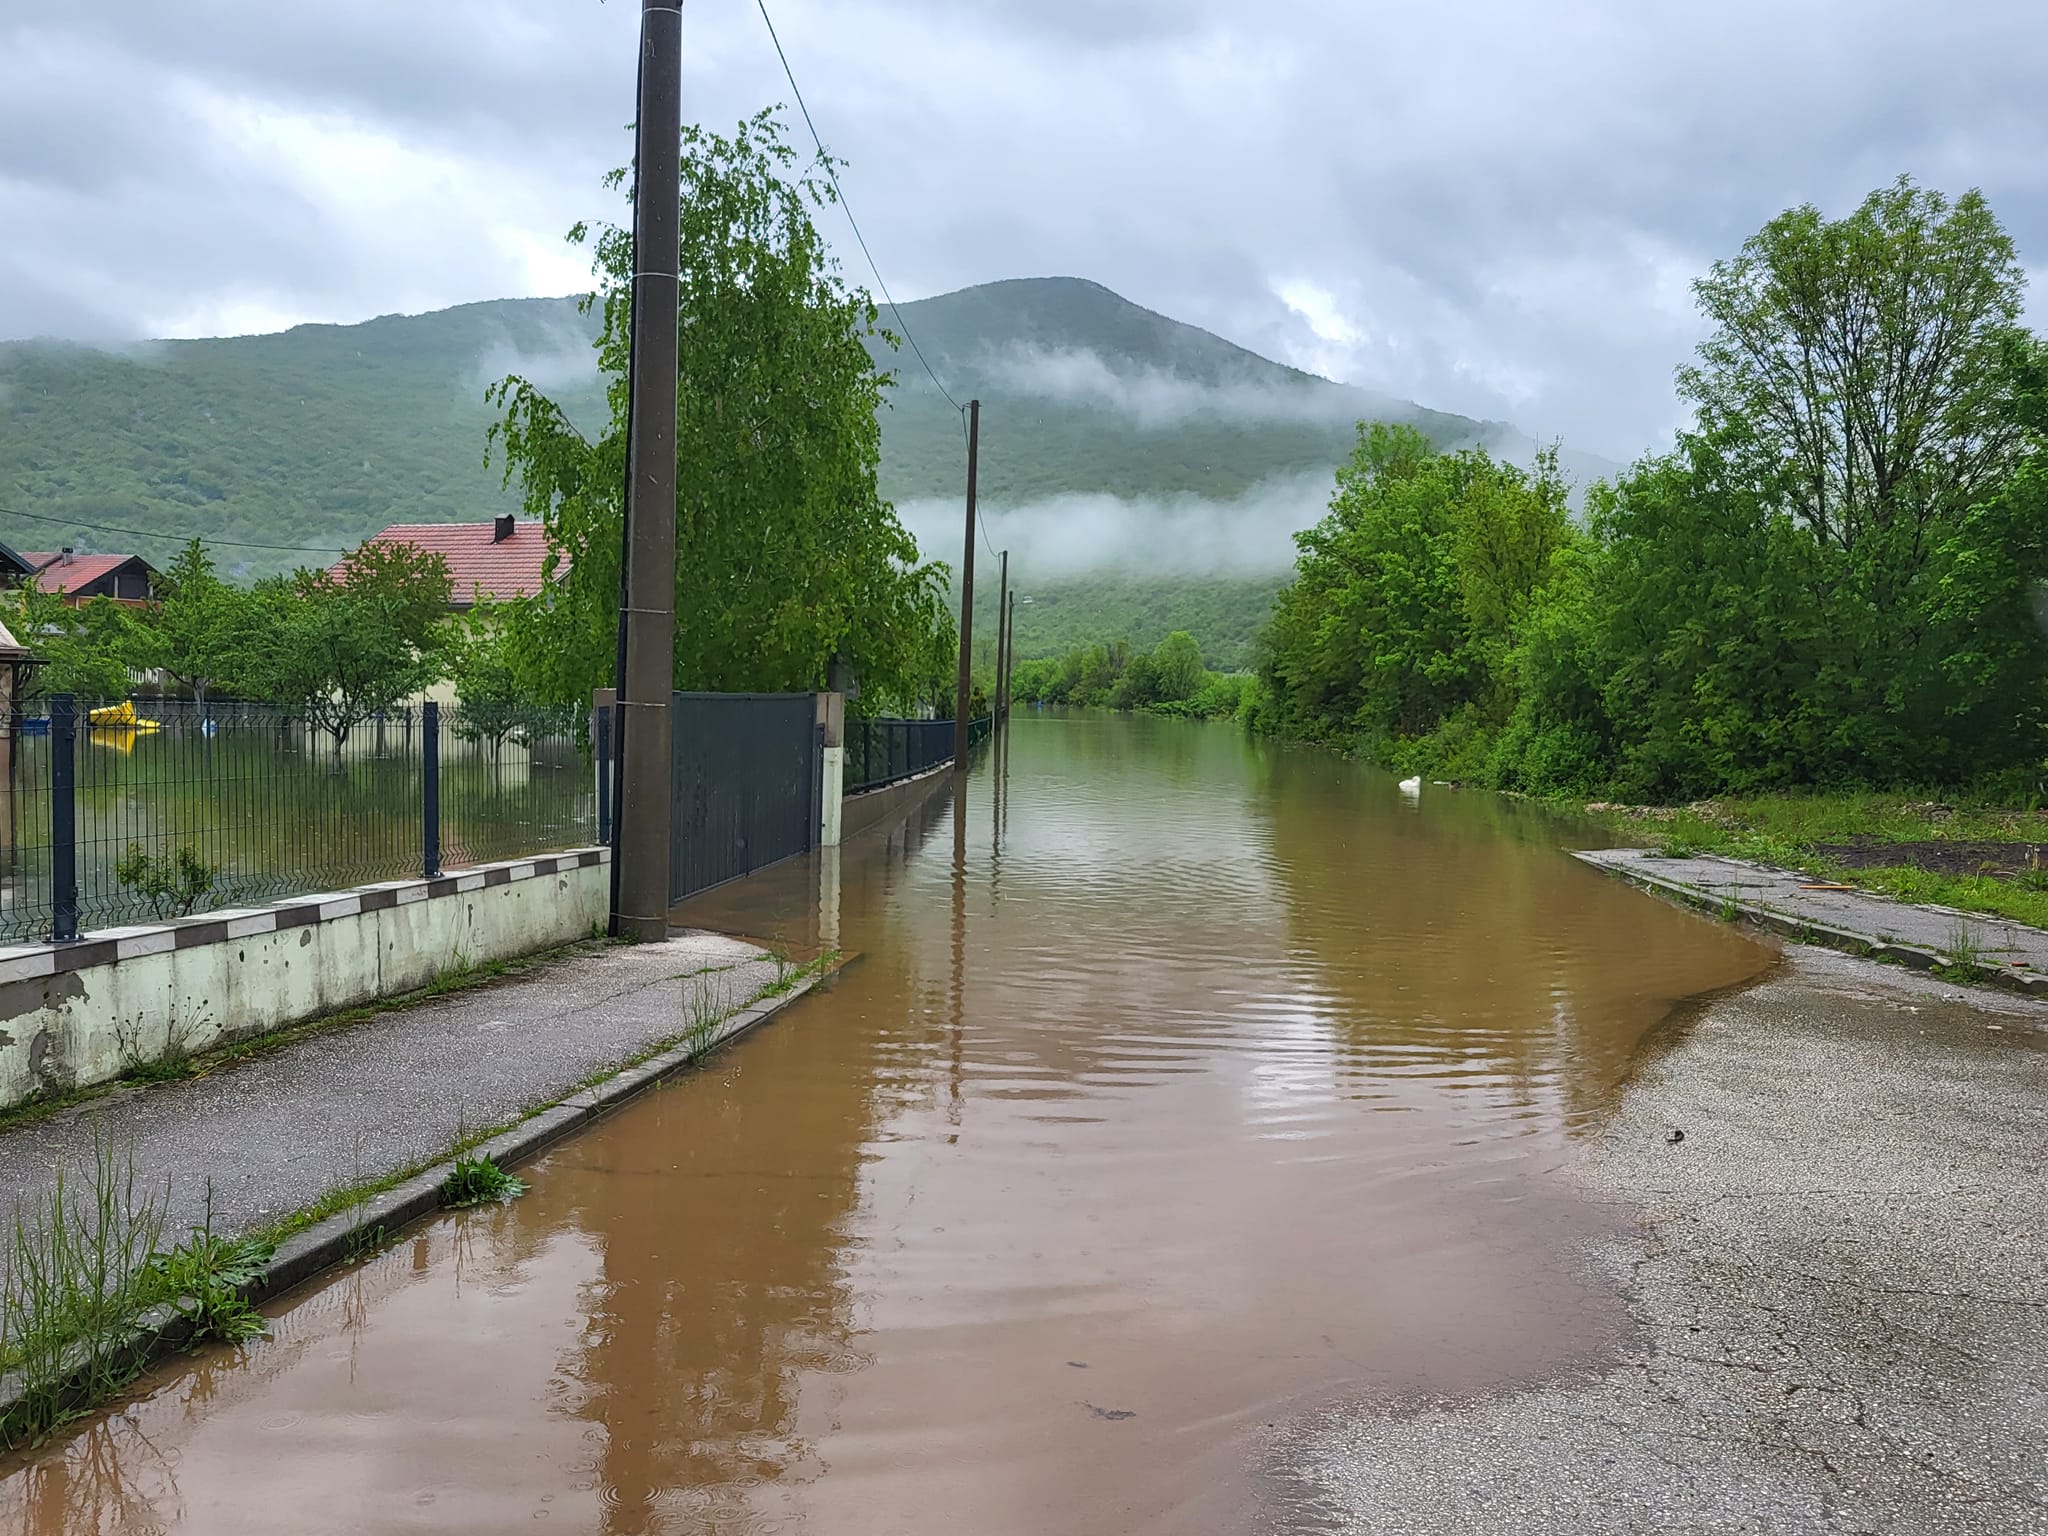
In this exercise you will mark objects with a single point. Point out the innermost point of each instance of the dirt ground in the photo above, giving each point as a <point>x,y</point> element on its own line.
<point>1945,856</point>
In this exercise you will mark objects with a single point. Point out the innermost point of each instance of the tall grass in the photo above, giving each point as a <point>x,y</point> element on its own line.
<point>83,1264</point>
<point>74,1282</point>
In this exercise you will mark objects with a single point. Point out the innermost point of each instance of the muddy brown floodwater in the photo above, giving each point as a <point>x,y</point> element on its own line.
<point>1195,1083</point>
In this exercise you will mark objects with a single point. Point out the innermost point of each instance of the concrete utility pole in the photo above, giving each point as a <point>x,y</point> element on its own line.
<point>647,619</point>
<point>967,595</point>
<point>1002,602</point>
<point>1009,651</point>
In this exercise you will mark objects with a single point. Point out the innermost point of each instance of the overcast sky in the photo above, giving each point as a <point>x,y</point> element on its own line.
<point>1489,206</point>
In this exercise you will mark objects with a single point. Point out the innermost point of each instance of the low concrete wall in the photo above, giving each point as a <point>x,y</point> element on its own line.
<point>880,807</point>
<point>73,1015</point>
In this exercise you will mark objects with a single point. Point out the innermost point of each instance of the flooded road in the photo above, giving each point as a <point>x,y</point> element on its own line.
<point>1190,1085</point>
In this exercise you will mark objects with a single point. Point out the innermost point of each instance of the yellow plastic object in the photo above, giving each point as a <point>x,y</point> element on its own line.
<point>119,738</point>
<point>120,717</point>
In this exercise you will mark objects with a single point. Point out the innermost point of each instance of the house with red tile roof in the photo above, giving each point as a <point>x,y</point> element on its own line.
<point>489,561</point>
<point>15,569</point>
<point>127,579</point>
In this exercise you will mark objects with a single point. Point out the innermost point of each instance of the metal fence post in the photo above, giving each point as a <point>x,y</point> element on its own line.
<point>64,819</point>
<point>430,775</point>
<point>818,783</point>
<point>603,751</point>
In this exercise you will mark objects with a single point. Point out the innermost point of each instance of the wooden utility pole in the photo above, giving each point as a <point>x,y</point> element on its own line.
<point>995,702</point>
<point>967,595</point>
<point>647,618</point>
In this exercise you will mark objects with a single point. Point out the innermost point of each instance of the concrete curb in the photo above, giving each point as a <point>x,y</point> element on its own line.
<point>370,1225</point>
<point>1805,931</point>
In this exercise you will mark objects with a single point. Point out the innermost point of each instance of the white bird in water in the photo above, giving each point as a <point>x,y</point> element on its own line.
<point>1412,786</point>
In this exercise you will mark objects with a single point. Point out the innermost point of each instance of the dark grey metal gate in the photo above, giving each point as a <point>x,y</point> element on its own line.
<point>746,775</point>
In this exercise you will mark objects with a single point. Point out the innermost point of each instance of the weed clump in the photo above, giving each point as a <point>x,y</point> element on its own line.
<point>478,1181</point>
<point>206,1280</point>
<point>169,1060</point>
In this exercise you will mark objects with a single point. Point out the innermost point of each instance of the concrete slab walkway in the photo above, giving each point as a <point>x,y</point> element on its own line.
<point>1995,950</point>
<point>273,1134</point>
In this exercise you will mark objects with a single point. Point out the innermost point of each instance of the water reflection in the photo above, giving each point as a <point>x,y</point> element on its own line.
<point>1176,1085</point>
<point>1458,948</point>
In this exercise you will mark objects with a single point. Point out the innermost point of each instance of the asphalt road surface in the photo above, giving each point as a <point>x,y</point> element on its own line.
<point>1839,1280</point>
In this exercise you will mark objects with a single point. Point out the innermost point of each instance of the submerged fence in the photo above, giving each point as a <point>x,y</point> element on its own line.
<point>883,752</point>
<point>106,822</point>
<point>164,808</point>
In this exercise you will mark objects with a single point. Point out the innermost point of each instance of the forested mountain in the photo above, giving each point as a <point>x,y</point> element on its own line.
<point>315,437</point>
<point>312,438</point>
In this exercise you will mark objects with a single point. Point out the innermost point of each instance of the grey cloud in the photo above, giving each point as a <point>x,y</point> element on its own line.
<point>1150,398</point>
<point>1504,200</point>
<point>1069,535</point>
<point>1067,22</point>
<point>564,360</point>
<point>520,67</point>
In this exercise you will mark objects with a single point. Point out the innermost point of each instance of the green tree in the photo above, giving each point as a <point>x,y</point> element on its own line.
<point>1510,530</point>
<point>494,704</point>
<point>1177,666</point>
<point>1407,595</point>
<point>1859,382</point>
<point>356,641</point>
<point>1035,681</point>
<point>1859,369</point>
<point>1827,582</point>
<point>90,650</point>
<point>787,556</point>
<point>199,625</point>
<point>1137,687</point>
<point>1839,575</point>
<point>487,687</point>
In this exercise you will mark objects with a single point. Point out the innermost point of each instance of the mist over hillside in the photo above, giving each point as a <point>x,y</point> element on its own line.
<point>1115,441</point>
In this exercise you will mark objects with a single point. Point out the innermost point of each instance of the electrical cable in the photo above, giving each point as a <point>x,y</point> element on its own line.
<point>826,160</point>
<point>137,533</point>
<point>880,282</point>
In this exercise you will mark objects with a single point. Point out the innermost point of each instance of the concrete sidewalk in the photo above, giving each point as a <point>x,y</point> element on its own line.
<point>272,1134</point>
<point>1995,950</point>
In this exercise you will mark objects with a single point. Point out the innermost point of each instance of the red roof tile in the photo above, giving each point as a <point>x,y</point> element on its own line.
<point>55,574</point>
<point>507,568</point>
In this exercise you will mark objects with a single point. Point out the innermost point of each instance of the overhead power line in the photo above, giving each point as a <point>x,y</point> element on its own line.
<point>838,191</point>
<point>983,524</point>
<point>137,533</point>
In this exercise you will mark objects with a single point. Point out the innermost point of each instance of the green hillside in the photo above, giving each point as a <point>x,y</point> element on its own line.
<point>316,437</point>
<point>1213,420</point>
<point>1223,612</point>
